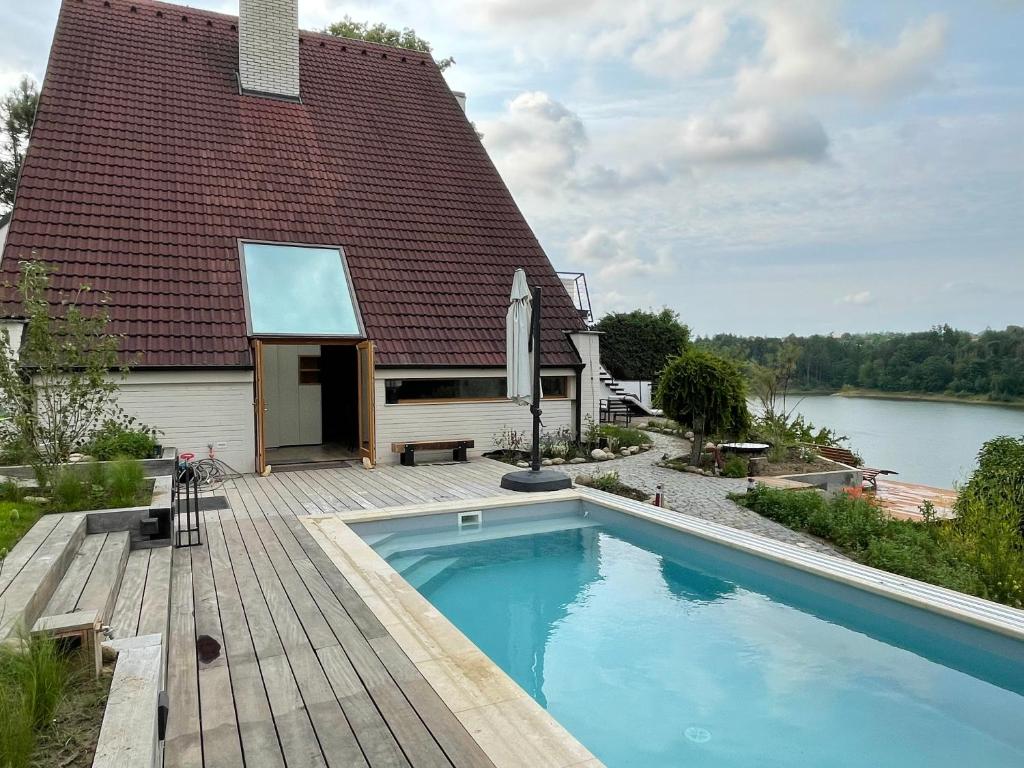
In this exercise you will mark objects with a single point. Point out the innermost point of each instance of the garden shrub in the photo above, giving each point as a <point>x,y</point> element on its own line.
<point>609,482</point>
<point>115,439</point>
<point>979,553</point>
<point>735,466</point>
<point>623,437</point>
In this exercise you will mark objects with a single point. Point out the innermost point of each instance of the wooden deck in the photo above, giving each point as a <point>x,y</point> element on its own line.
<point>904,500</point>
<point>273,658</point>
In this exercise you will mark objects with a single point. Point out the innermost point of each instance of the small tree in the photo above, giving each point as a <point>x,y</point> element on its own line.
<point>56,386</point>
<point>382,33</point>
<point>17,111</point>
<point>636,345</point>
<point>706,392</point>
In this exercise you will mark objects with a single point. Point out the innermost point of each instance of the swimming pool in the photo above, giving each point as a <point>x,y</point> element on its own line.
<point>662,641</point>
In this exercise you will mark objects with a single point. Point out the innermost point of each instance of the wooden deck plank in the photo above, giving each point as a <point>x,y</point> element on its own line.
<point>375,494</point>
<point>458,745</point>
<point>252,708</point>
<point>153,616</point>
<point>221,744</point>
<point>25,549</point>
<point>258,616</point>
<point>298,739</point>
<point>128,607</point>
<point>378,743</point>
<point>360,658</point>
<point>354,605</point>
<point>337,497</point>
<point>183,745</point>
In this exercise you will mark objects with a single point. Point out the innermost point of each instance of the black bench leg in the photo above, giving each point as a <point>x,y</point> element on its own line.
<point>459,454</point>
<point>409,456</point>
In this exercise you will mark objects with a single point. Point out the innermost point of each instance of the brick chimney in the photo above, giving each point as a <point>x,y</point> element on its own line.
<point>268,47</point>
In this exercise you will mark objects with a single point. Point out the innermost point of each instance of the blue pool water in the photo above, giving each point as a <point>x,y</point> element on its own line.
<point>657,649</point>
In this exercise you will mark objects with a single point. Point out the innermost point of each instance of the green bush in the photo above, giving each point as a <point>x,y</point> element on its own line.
<point>114,440</point>
<point>609,483</point>
<point>623,437</point>
<point>71,492</point>
<point>979,553</point>
<point>121,483</point>
<point>735,466</point>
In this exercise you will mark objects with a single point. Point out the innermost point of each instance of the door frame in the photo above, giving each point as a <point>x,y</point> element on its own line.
<point>259,398</point>
<point>366,387</point>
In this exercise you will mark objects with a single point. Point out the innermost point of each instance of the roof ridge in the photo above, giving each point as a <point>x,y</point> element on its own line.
<point>316,33</point>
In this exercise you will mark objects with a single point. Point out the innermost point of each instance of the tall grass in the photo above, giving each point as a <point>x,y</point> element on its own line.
<point>33,682</point>
<point>125,478</point>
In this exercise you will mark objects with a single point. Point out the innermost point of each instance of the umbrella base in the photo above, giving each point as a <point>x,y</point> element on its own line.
<point>530,481</point>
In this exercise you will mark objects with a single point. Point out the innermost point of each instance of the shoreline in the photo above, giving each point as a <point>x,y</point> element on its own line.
<point>876,394</point>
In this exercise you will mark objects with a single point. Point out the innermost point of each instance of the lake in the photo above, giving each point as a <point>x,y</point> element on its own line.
<point>926,442</point>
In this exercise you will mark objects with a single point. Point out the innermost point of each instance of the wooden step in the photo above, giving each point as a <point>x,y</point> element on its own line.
<point>93,578</point>
<point>32,572</point>
<point>142,602</point>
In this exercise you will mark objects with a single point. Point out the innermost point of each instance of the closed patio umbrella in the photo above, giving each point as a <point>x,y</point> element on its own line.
<point>522,347</point>
<point>518,336</point>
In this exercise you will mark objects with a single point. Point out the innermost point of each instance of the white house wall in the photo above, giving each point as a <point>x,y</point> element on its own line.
<point>194,409</point>
<point>588,345</point>
<point>479,421</point>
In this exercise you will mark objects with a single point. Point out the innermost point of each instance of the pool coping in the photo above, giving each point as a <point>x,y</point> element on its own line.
<point>511,728</point>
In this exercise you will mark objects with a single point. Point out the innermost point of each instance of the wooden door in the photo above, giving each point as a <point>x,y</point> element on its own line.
<point>259,408</point>
<point>367,411</point>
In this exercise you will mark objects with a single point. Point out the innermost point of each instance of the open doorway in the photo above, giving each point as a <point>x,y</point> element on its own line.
<point>310,398</point>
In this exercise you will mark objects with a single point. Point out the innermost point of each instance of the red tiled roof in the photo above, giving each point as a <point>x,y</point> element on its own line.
<point>146,166</point>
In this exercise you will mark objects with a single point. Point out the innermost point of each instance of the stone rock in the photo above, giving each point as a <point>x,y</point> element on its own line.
<point>584,480</point>
<point>688,435</point>
<point>558,460</point>
<point>625,452</point>
<point>694,470</point>
<point>36,499</point>
<point>710,446</point>
<point>523,464</point>
<point>597,454</point>
<point>578,460</point>
<point>545,462</point>
<point>634,450</point>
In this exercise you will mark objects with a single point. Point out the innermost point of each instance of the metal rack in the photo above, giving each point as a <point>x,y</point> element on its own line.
<point>186,506</point>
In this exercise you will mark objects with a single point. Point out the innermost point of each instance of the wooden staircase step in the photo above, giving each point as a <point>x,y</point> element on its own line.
<point>65,597</point>
<point>101,589</point>
<point>35,577</point>
<point>94,576</point>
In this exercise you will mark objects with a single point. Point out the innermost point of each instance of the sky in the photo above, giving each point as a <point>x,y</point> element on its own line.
<point>762,167</point>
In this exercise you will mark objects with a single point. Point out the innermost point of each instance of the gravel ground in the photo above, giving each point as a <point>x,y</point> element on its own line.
<point>696,495</point>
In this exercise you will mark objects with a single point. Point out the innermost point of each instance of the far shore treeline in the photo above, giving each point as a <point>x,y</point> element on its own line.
<point>987,365</point>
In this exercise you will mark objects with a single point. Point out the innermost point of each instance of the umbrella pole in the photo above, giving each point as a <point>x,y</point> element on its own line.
<point>535,407</point>
<point>535,479</point>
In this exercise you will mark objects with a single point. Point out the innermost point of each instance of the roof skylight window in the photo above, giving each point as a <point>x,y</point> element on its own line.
<point>298,290</point>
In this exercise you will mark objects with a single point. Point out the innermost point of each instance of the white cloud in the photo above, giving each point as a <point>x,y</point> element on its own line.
<point>806,53</point>
<point>860,299</point>
<point>686,49</point>
<point>537,142</point>
<point>613,255</point>
<point>759,135</point>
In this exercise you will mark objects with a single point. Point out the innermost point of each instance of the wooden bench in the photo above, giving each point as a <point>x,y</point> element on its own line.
<point>408,449</point>
<point>844,456</point>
